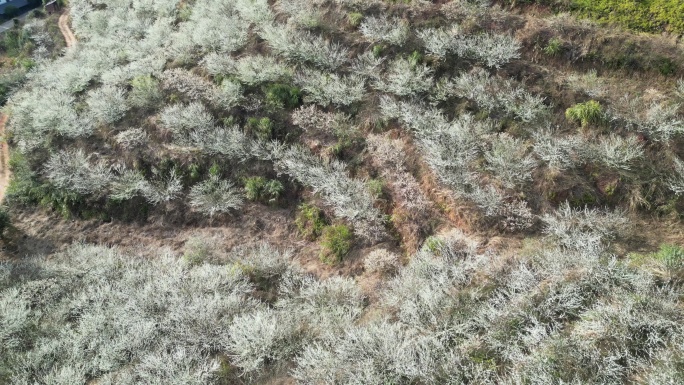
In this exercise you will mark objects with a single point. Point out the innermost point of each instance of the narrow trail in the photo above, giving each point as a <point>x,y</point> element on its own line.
<point>66,31</point>
<point>4,160</point>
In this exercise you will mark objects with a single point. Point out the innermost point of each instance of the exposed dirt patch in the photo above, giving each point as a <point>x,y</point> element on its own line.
<point>5,172</point>
<point>66,31</point>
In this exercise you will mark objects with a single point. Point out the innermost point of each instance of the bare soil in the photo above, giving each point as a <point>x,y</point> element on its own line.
<point>5,172</point>
<point>66,31</point>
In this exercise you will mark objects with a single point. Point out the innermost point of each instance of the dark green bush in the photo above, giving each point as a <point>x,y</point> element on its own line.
<point>261,128</point>
<point>586,113</point>
<point>258,188</point>
<point>554,47</point>
<point>5,221</point>
<point>280,95</point>
<point>354,18</point>
<point>310,221</point>
<point>640,15</point>
<point>336,242</point>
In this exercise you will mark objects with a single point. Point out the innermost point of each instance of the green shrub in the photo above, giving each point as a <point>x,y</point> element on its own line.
<point>310,221</point>
<point>258,188</point>
<point>667,262</point>
<point>671,256</point>
<point>197,251</point>
<point>15,40</point>
<point>354,18</point>
<point>666,66</point>
<point>37,14</point>
<point>415,58</point>
<point>261,128</point>
<point>194,172</point>
<point>375,186</point>
<point>554,47</point>
<point>433,244</point>
<point>26,189</point>
<point>586,113</point>
<point>280,95</point>
<point>9,81</point>
<point>5,221</point>
<point>640,15</point>
<point>215,170</point>
<point>145,91</point>
<point>336,242</point>
<point>378,50</point>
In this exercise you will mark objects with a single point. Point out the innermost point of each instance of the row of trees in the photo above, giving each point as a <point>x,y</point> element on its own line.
<point>565,312</point>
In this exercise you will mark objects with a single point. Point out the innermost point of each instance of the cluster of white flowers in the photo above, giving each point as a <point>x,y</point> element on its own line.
<point>302,46</point>
<point>493,50</point>
<point>349,198</point>
<point>391,30</point>
<point>324,88</point>
<point>214,196</point>
<point>496,94</point>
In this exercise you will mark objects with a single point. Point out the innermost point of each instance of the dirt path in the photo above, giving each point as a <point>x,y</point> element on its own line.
<point>66,31</point>
<point>4,160</point>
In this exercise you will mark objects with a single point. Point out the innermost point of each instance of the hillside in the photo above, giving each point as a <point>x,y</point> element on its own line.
<point>344,192</point>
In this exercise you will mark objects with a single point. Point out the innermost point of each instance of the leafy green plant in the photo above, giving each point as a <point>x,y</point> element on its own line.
<point>415,58</point>
<point>336,243</point>
<point>197,251</point>
<point>378,50</point>
<point>261,128</point>
<point>5,221</point>
<point>554,47</point>
<point>215,170</point>
<point>375,187</point>
<point>646,16</point>
<point>433,244</point>
<point>281,95</point>
<point>354,18</point>
<point>310,221</point>
<point>145,91</point>
<point>258,188</point>
<point>671,256</point>
<point>586,113</point>
<point>666,66</point>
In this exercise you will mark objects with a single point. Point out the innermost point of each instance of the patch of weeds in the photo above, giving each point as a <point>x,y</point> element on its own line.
<point>433,244</point>
<point>194,172</point>
<point>261,128</point>
<point>281,95</point>
<point>667,262</point>
<point>197,251</point>
<point>666,66</point>
<point>586,199</point>
<point>645,16</point>
<point>336,242</point>
<point>415,58</point>
<point>554,47</point>
<point>354,18</point>
<point>260,189</point>
<point>586,113</point>
<point>5,221</point>
<point>215,170</point>
<point>672,256</point>
<point>310,221</point>
<point>378,50</point>
<point>375,186</point>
